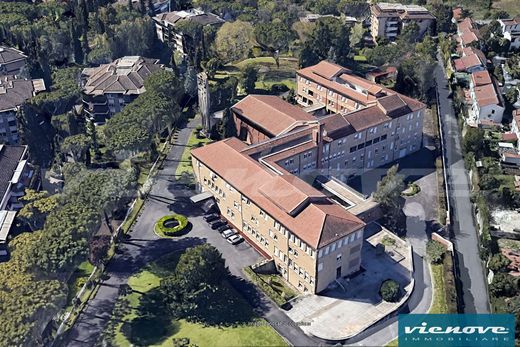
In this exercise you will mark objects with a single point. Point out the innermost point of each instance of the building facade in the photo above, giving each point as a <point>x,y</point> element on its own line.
<point>389,19</point>
<point>108,88</point>
<point>14,92</point>
<point>262,183</point>
<point>166,25</point>
<point>16,174</point>
<point>12,61</point>
<point>312,240</point>
<point>511,31</point>
<point>486,102</point>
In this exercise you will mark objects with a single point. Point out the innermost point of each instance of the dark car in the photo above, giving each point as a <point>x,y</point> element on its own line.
<point>223,228</point>
<point>210,217</point>
<point>217,224</point>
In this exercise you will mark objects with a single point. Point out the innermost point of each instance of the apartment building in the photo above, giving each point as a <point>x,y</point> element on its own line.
<point>14,92</point>
<point>312,240</point>
<point>12,61</point>
<point>108,88</point>
<point>471,60</point>
<point>261,184</point>
<point>15,175</point>
<point>511,31</point>
<point>166,25</point>
<point>389,19</point>
<point>486,101</point>
<point>468,33</point>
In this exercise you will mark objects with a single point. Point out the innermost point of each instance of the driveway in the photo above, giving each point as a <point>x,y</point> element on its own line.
<point>465,240</point>
<point>144,246</point>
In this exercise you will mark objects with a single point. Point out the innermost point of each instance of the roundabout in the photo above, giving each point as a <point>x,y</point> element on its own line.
<point>171,225</point>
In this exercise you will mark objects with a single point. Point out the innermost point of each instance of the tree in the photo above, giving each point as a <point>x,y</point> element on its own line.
<point>473,140</point>
<point>273,37</point>
<point>227,128</point>
<point>329,40</point>
<point>503,285</point>
<point>37,207</point>
<point>77,147</point>
<point>234,41</point>
<point>99,246</point>
<point>357,32</point>
<point>198,273</point>
<point>190,81</point>
<point>435,251</point>
<point>389,189</point>
<point>390,291</point>
<point>443,14</point>
<point>249,77</point>
<point>142,7</point>
<point>211,66</point>
<point>512,95</point>
<point>498,263</point>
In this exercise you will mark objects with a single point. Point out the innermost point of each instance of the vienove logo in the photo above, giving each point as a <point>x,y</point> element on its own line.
<point>471,330</point>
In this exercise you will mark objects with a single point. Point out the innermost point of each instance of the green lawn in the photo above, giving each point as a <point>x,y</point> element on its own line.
<point>78,279</point>
<point>268,72</point>
<point>185,162</point>
<point>145,321</point>
<point>439,304</point>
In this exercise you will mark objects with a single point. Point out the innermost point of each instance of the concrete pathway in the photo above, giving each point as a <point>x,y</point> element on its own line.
<point>474,290</point>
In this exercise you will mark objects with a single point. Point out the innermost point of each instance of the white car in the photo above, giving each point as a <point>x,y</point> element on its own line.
<point>234,239</point>
<point>227,233</point>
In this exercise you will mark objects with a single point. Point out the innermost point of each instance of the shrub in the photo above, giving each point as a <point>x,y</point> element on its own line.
<point>278,88</point>
<point>503,285</point>
<point>435,251</point>
<point>161,228</point>
<point>498,262</point>
<point>390,290</point>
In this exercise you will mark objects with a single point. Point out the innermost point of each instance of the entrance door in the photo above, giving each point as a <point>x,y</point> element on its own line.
<point>338,272</point>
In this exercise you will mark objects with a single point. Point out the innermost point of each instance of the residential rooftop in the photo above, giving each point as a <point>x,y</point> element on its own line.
<point>10,55</point>
<point>15,91</point>
<point>191,15</point>
<point>125,75</point>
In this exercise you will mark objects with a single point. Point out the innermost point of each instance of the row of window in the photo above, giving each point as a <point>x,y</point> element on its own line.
<point>340,243</point>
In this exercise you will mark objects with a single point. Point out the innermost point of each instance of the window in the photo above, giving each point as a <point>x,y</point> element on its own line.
<point>338,257</point>
<point>320,267</point>
<point>352,149</point>
<point>383,137</point>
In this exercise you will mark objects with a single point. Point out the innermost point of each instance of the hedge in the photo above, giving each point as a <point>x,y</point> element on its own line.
<point>162,229</point>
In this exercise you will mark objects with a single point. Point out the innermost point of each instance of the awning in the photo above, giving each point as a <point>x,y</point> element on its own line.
<point>6,221</point>
<point>201,197</point>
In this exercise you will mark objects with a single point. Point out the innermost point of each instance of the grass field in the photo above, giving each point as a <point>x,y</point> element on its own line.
<point>185,162</point>
<point>268,72</point>
<point>439,304</point>
<point>145,321</point>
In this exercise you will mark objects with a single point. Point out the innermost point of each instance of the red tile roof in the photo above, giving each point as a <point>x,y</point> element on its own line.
<point>319,222</point>
<point>481,78</point>
<point>486,95</point>
<point>509,137</point>
<point>270,112</point>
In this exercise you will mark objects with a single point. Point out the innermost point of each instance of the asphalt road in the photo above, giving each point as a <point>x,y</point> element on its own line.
<point>471,275</point>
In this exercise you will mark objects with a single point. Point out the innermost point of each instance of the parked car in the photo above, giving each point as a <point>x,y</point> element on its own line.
<point>211,217</point>
<point>235,239</point>
<point>223,228</point>
<point>217,224</point>
<point>227,233</point>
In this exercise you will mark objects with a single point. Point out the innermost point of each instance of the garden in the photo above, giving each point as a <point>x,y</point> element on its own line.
<point>171,225</point>
<point>144,314</point>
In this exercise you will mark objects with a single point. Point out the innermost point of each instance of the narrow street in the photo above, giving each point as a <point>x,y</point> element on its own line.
<point>466,243</point>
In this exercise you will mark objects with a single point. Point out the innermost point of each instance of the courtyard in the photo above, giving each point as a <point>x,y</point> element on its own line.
<point>355,304</point>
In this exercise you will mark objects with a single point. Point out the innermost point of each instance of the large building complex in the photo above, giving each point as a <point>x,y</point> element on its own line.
<point>12,61</point>
<point>14,92</point>
<point>108,88</point>
<point>167,26</point>
<point>261,184</point>
<point>389,19</point>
